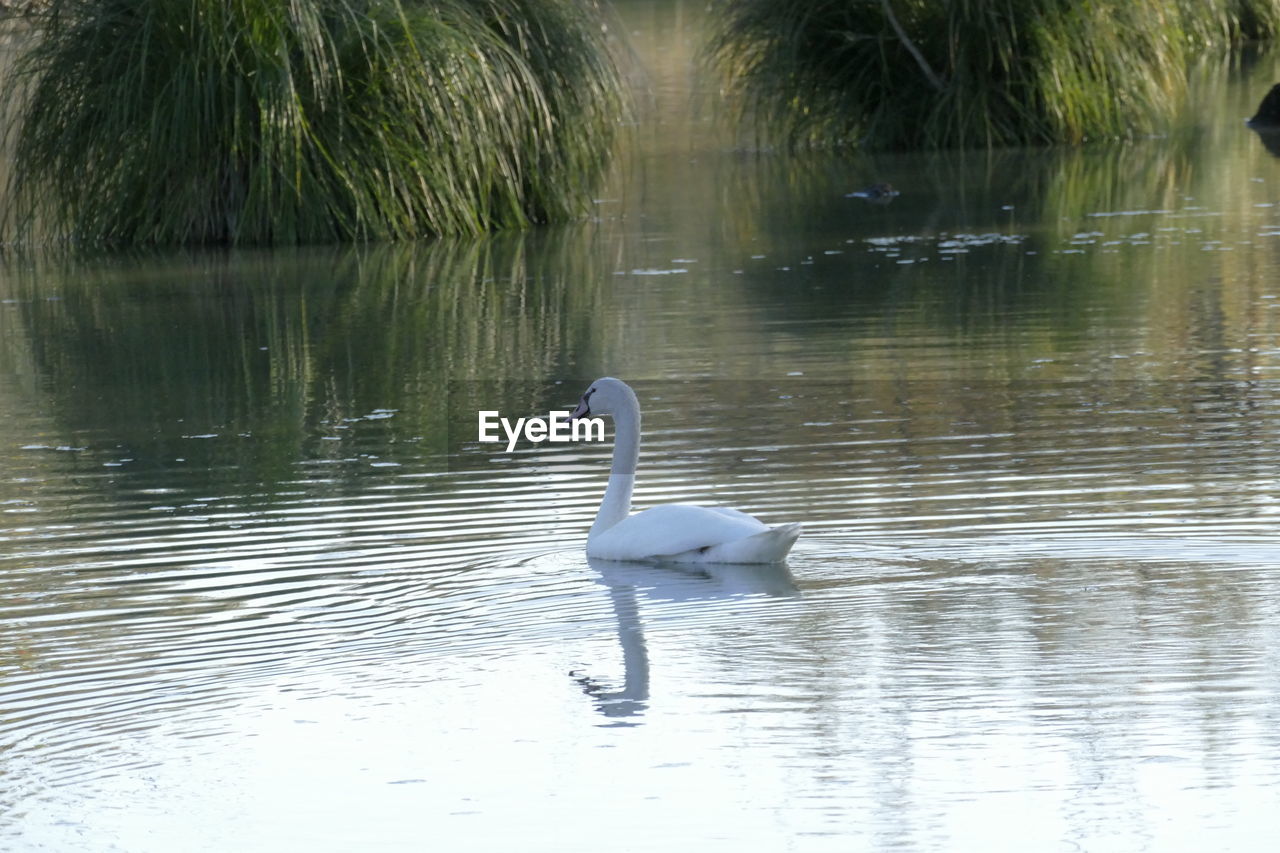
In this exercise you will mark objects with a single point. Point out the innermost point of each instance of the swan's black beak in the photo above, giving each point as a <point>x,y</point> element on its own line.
<point>583,410</point>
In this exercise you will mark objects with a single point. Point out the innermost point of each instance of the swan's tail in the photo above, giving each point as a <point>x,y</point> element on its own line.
<point>767,546</point>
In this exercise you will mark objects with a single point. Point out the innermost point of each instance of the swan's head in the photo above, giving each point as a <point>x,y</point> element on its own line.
<point>607,396</point>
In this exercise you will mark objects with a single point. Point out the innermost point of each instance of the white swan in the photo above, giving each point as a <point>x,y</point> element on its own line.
<point>672,532</point>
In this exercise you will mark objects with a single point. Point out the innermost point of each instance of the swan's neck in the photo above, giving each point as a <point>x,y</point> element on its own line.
<point>616,504</point>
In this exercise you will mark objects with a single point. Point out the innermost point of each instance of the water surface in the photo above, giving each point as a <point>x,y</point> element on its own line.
<point>263,590</point>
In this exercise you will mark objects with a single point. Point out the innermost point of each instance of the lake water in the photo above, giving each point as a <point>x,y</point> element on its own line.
<point>263,589</point>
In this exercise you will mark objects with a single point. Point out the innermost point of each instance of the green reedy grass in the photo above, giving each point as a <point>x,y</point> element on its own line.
<point>295,121</point>
<point>938,73</point>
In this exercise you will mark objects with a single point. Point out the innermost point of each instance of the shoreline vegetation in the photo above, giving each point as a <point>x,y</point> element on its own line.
<point>967,73</point>
<point>265,122</point>
<point>260,122</point>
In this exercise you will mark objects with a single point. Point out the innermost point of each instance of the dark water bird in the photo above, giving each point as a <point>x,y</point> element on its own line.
<point>881,193</point>
<point>1266,121</point>
<point>1268,114</point>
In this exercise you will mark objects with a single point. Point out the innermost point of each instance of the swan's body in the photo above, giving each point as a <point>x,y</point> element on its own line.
<point>672,532</point>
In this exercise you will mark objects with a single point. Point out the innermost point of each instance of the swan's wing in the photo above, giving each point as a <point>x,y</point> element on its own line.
<point>732,513</point>
<point>769,546</point>
<point>671,529</point>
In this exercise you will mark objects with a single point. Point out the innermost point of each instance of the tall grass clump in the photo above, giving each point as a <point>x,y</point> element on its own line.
<point>298,121</point>
<point>912,73</point>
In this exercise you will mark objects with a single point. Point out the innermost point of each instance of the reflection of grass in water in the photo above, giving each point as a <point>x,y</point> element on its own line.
<point>256,121</point>
<point>291,349</point>
<point>950,191</point>
<point>968,72</point>
<point>1042,197</point>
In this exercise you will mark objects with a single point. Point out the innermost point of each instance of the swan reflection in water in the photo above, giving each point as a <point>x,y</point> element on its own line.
<point>659,584</point>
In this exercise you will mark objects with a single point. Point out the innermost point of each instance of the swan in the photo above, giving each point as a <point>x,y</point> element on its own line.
<point>679,533</point>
